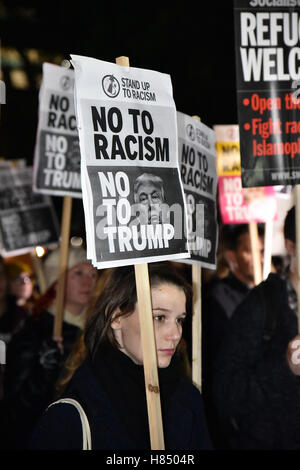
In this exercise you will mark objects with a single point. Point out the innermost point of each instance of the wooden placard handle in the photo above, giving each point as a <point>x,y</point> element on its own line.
<point>38,269</point>
<point>255,252</point>
<point>197,321</point>
<point>268,238</point>
<point>149,355</point>
<point>122,60</point>
<point>148,344</point>
<point>63,263</point>
<point>197,327</point>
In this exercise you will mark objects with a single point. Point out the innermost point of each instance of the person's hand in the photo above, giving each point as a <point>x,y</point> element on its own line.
<point>293,355</point>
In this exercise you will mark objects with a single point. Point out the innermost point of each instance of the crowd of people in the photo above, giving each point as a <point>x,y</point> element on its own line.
<point>250,393</point>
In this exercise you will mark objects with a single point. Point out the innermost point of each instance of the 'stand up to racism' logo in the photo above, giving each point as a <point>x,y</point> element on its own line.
<point>111,86</point>
<point>190,131</point>
<point>65,82</point>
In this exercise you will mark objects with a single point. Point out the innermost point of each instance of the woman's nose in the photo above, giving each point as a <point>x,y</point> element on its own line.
<point>174,331</point>
<point>87,279</point>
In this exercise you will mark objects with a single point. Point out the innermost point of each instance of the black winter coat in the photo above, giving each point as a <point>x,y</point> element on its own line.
<point>34,363</point>
<point>220,298</point>
<point>60,426</point>
<point>252,380</point>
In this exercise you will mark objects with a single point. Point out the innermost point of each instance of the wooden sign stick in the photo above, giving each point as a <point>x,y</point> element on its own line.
<point>197,322</point>
<point>63,263</point>
<point>149,355</point>
<point>255,252</point>
<point>148,344</point>
<point>268,248</point>
<point>196,327</point>
<point>38,269</point>
<point>297,214</point>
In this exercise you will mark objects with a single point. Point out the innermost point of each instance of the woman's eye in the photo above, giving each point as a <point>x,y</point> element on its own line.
<point>94,275</point>
<point>181,320</point>
<point>78,273</point>
<point>159,318</point>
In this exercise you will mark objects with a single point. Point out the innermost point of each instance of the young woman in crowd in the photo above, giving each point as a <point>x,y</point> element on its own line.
<point>21,283</point>
<point>12,315</point>
<point>34,358</point>
<point>110,385</point>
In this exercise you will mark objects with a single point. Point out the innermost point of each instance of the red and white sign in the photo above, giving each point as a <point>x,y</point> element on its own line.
<point>243,205</point>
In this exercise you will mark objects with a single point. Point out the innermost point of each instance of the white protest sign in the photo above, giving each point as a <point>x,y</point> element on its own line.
<point>27,219</point>
<point>57,154</point>
<point>132,194</point>
<point>197,156</point>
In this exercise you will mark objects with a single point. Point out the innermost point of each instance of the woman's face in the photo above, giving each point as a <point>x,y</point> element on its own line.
<point>81,282</point>
<point>169,312</point>
<point>22,286</point>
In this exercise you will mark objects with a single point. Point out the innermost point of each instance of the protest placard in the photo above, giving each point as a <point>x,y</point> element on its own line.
<point>148,343</point>
<point>19,163</point>
<point>57,155</point>
<point>268,73</point>
<point>197,157</point>
<point>27,219</point>
<point>243,205</point>
<point>239,205</point>
<point>132,193</point>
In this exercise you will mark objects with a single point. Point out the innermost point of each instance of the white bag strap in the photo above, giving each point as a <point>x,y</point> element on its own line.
<point>86,432</point>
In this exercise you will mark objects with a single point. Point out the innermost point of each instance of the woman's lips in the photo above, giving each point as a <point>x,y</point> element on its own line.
<point>168,352</point>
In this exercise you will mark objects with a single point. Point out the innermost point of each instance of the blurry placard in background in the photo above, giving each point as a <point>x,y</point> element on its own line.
<point>239,205</point>
<point>27,219</point>
<point>57,155</point>
<point>197,157</point>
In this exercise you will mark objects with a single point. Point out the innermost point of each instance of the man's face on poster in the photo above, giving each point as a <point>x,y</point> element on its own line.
<point>150,198</point>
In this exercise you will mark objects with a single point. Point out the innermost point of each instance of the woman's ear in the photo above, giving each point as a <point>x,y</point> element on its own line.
<point>116,326</point>
<point>290,247</point>
<point>116,320</point>
<point>230,257</point>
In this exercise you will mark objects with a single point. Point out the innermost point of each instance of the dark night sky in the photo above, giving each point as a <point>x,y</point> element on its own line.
<point>192,42</point>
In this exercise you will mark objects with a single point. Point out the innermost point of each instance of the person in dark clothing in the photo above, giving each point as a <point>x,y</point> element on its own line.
<point>35,357</point>
<point>12,316</point>
<point>222,296</point>
<point>220,299</point>
<point>21,282</point>
<point>254,383</point>
<point>110,382</point>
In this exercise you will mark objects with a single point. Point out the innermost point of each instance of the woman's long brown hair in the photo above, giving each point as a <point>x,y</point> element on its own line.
<point>116,289</point>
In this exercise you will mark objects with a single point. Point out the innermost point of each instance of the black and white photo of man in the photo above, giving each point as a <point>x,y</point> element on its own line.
<point>150,196</point>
